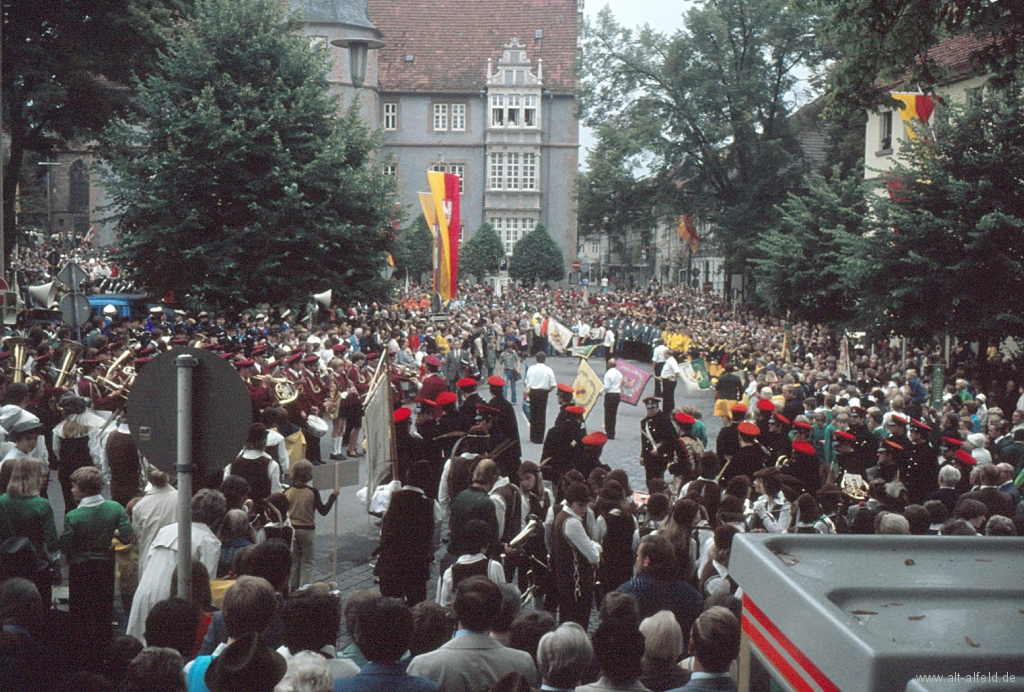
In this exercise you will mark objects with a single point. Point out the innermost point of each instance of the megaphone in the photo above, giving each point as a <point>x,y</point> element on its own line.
<point>324,298</point>
<point>44,294</point>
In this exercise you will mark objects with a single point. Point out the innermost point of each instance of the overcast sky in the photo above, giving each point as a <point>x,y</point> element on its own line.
<point>664,15</point>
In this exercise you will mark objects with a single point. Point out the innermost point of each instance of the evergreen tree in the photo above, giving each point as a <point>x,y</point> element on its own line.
<point>235,180</point>
<point>537,257</point>
<point>947,253</point>
<point>482,253</point>
<point>414,248</point>
<point>800,267</point>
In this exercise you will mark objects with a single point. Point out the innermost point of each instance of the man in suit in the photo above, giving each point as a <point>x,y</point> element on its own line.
<point>505,428</point>
<point>385,625</point>
<point>715,644</point>
<point>995,500</point>
<point>454,368</point>
<point>473,660</point>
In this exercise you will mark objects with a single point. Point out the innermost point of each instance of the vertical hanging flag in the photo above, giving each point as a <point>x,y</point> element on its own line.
<point>688,232</point>
<point>915,107</point>
<point>444,188</point>
<point>430,214</point>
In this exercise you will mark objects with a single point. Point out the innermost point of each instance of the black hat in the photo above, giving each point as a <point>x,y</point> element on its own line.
<point>246,665</point>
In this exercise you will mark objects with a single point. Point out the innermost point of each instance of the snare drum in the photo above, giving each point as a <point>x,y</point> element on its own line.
<point>317,425</point>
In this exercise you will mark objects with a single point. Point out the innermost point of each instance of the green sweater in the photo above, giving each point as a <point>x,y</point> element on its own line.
<point>88,531</point>
<point>31,517</point>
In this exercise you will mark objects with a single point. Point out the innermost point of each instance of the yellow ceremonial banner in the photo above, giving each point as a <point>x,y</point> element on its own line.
<point>915,107</point>
<point>436,180</point>
<point>430,214</point>
<point>587,387</point>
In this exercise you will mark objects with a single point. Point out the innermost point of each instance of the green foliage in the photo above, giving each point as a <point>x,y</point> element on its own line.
<point>65,69</point>
<point>947,256</point>
<point>801,268</point>
<point>537,257</point>
<point>696,122</point>
<point>235,181</point>
<point>481,254</point>
<point>414,248</point>
<point>884,42</point>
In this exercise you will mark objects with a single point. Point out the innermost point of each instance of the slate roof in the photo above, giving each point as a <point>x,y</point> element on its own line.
<point>349,12</point>
<point>450,41</point>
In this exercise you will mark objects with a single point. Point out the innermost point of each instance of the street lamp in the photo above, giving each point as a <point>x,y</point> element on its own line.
<point>358,49</point>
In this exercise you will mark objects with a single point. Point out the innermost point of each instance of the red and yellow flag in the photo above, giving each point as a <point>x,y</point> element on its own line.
<point>444,218</point>
<point>688,232</point>
<point>915,107</point>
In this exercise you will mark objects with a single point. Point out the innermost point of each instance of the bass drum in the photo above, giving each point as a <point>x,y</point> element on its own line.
<point>317,425</point>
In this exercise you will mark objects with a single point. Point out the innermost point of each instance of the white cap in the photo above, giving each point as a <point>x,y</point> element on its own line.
<point>109,310</point>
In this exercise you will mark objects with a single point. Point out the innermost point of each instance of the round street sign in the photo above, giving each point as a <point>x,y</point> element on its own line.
<point>576,265</point>
<point>221,413</point>
<point>75,309</point>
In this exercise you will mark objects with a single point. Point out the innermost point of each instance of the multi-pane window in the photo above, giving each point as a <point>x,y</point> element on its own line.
<point>497,173</point>
<point>511,234</point>
<point>511,230</point>
<point>530,110</point>
<point>512,169</point>
<point>440,116</point>
<point>458,116</point>
<point>529,172</point>
<point>458,169</point>
<point>498,110</point>
<point>885,132</point>
<point>390,169</point>
<point>512,113</point>
<point>595,249</point>
<point>528,225</point>
<point>390,116</point>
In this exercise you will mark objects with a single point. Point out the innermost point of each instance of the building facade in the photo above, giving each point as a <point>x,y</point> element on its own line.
<point>485,91</point>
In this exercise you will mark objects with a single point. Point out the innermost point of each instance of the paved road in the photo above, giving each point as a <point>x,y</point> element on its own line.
<point>358,532</point>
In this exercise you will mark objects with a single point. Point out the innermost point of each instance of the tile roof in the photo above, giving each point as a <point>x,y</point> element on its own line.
<point>451,41</point>
<point>956,58</point>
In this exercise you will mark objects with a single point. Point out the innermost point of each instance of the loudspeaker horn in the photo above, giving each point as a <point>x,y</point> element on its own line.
<point>324,298</point>
<point>44,294</point>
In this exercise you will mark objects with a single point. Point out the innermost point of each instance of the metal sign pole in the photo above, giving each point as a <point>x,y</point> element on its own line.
<point>186,365</point>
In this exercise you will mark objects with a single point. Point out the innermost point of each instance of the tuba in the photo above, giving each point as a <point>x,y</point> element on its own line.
<point>72,352</point>
<point>18,346</point>
<point>114,386</point>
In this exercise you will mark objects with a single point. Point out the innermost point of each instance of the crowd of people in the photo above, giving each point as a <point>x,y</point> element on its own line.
<point>817,437</point>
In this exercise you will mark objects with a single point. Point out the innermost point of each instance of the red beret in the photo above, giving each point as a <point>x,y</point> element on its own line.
<point>496,381</point>
<point>433,360</point>
<point>845,436</point>
<point>337,348</point>
<point>466,383</point>
<point>748,429</point>
<point>920,425</point>
<point>575,410</point>
<point>402,414</point>
<point>803,447</point>
<point>684,418</point>
<point>446,398</point>
<point>564,388</point>
<point>801,425</point>
<point>765,405</point>
<point>965,456</point>
<point>781,418</point>
<point>595,439</point>
<point>739,408</point>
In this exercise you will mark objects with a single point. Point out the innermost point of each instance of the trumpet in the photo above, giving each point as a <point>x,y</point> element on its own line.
<point>527,531</point>
<point>19,346</point>
<point>72,352</point>
<point>128,372</point>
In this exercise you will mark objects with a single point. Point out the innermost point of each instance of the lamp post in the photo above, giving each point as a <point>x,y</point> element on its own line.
<point>358,51</point>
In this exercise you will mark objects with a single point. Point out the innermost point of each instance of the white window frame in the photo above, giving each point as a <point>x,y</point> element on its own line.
<point>440,117</point>
<point>512,170</point>
<point>529,225</point>
<point>391,116</point>
<point>529,171</point>
<point>459,169</point>
<point>497,110</point>
<point>514,112</point>
<point>530,110</point>
<point>391,169</point>
<point>885,131</point>
<point>496,171</point>
<point>595,248</point>
<point>458,119</point>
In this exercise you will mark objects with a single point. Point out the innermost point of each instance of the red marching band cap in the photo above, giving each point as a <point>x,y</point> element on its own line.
<point>748,429</point>
<point>803,447</point>
<point>496,381</point>
<point>766,405</point>
<point>920,425</point>
<point>965,456</point>
<point>802,425</point>
<point>402,414</point>
<point>433,360</point>
<point>781,418</point>
<point>564,388</point>
<point>466,383</point>
<point>684,418</point>
<point>845,436</point>
<point>897,418</point>
<point>951,442</point>
<point>486,410</point>
<point>889,446</point>
<point>595,439</point>
<point>575,410</point>
<point>244,363</point>
<point>446,398</point>
<point>426,402</point>
<point>739,408</point>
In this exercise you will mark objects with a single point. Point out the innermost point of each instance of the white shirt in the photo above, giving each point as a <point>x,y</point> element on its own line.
<point>273,469</point>
<point>671,369</point>
<point>577,536</point>
<point>276,448</point>
<point>613,381</point>
<point>609,339</point>
<point>540,376</point>
<point>445,589</point>
<point>660,353</point>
